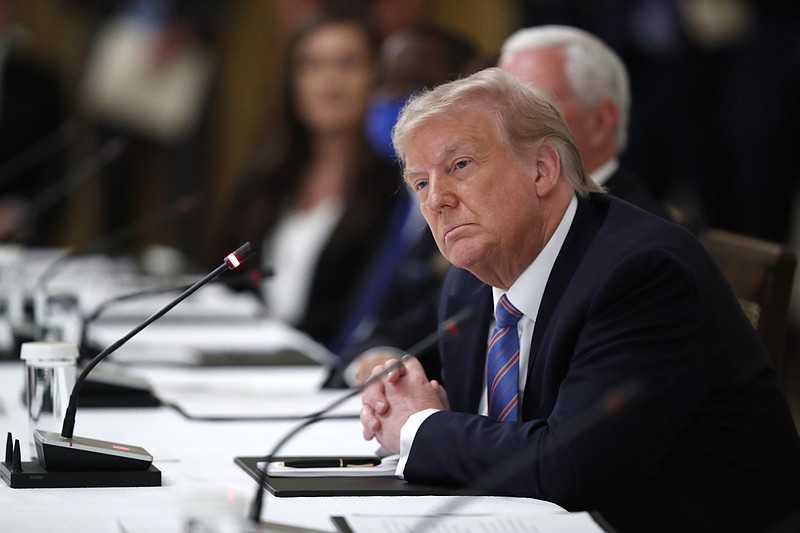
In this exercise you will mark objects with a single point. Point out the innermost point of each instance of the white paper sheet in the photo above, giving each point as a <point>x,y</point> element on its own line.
<point>478,523</point>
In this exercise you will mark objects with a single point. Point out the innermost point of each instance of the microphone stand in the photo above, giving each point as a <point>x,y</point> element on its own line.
<point>49,197</point>
<point>83,348</point>
<point>231,261</point>
<point>67,461</point>
<point>41,298</point>
<point>39,152</point>
<point>179,207</point>
<point>449,327</point>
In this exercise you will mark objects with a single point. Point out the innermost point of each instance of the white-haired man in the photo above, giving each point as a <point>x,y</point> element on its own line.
<point>593,297</point>
<point>589,82</point>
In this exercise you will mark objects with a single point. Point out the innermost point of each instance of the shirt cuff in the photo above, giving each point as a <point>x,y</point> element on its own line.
<point>407,434</point>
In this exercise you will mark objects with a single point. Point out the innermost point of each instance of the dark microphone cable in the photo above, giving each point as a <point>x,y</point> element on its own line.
<point>180,207</point>
<point>448,328</point>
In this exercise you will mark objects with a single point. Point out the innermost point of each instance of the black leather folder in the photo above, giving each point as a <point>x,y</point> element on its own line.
<point>288,487</point>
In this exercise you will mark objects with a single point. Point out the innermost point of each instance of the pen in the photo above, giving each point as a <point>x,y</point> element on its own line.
<point>333,462</point>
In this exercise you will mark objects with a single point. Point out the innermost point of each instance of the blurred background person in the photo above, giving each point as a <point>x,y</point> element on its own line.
<point>161,108</point>
<point>422,56</point>
<point>706,76</point>
<point>320,205</point>
<point>412,59</point>
<point>590,85</point>
<point>32,137</point>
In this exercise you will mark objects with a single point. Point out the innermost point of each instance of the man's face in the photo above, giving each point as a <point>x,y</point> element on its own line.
<point>479,199</point>
<point>412,62</point>
<point>333,78</point>
<point>544,68</point>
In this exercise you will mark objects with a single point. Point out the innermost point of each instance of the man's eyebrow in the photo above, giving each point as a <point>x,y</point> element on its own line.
<point>408,174</point>
<point>449,150</point>
<point>440,156</point>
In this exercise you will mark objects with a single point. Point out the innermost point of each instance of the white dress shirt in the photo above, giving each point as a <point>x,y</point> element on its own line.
<point>526,295</point>
<point>602,173</point>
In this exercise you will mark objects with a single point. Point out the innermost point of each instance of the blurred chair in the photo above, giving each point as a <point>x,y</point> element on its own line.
<point>761,274</point>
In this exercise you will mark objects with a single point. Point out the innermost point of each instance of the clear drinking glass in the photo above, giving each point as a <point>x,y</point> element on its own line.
<point>50,371</point>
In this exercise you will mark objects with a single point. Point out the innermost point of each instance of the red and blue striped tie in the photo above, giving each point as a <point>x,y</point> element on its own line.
<point>503,364</point>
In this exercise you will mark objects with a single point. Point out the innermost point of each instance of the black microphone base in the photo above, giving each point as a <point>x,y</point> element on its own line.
<point>79,454</point>
<point>34,476</point>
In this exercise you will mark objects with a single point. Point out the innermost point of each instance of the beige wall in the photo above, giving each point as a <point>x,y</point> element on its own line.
<point>252,51</point>
<point>249,52</point>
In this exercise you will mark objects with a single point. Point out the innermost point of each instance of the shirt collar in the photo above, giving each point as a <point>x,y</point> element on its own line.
<point>604,171</point>
<point>527,291</point>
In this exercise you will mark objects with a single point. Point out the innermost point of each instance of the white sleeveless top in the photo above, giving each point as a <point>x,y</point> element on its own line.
<point>292,251</point>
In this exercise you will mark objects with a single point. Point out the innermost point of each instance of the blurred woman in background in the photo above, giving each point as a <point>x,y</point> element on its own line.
<point>321,207</point>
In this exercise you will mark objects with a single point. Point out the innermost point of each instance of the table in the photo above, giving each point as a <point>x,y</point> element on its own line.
<point>196,458</point>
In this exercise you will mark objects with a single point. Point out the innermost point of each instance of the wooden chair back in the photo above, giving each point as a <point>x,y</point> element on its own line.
<point>761,274</point>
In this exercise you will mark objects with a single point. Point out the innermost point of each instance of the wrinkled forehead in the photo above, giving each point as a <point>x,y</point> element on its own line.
<point>455,127</point>
<point>438,140</point>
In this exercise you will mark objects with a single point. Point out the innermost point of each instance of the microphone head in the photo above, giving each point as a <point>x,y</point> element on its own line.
<point>257,275</point>
<point>452,326</point>
<point>235,258</point>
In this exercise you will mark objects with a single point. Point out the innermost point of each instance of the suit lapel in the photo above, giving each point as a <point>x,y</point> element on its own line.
<point>466,352</point>
<point>586,224</point>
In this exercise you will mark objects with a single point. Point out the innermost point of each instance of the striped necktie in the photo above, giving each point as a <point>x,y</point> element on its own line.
<point>503,364</point>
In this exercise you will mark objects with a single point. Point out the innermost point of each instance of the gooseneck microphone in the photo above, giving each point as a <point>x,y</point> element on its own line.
<point>100,309</point>
<point>261,273</point>
<point>38,153</point>
<point>57,191</point>
<point>448,328</point>
<point>67,453</point>
<point>179,208</point>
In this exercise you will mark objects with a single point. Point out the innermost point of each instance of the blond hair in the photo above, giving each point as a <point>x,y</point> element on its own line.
<point>526,118</point>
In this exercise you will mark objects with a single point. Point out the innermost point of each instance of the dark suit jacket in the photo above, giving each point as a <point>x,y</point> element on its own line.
<point>410,312</point>
<point>348,257</point>
<point>707,444</point>
<point>628,186</point>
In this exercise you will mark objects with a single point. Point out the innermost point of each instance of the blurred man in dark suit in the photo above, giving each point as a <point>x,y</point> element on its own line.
<point>593,297</point>
<point>31,147</point>
<point>590,85</point>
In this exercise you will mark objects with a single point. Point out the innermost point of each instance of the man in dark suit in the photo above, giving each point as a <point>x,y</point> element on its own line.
<point>31,141</point>
<point>607,300</point>
<point>590,84</point>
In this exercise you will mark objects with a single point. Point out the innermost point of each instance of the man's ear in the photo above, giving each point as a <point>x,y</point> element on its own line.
<point>603,122</point>
<point>548,170</point>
